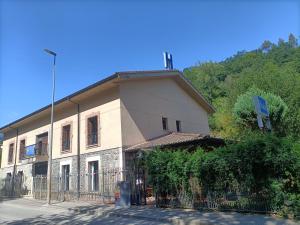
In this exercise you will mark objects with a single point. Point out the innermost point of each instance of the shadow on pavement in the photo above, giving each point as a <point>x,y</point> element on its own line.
<point>82,215</point>
<point>106,214</point>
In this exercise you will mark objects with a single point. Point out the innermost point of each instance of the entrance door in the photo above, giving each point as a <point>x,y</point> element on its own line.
<point>93,169</point>
<point>66,177</point>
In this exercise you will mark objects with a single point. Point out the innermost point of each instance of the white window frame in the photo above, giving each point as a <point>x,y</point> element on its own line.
<point>88,160</point>
<point>65,163</point>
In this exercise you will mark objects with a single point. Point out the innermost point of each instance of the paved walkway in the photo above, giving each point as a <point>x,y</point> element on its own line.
<point>28,211</point>
<point>179,216</point>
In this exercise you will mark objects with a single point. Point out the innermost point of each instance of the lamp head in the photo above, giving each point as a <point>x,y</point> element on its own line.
<point>50,52</point>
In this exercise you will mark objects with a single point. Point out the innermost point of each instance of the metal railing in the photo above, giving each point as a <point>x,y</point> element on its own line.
<point>38,149</point>
<point>99,186</point>
<point>41,149</point>
<point>14,187</point>
<point>217,200</point>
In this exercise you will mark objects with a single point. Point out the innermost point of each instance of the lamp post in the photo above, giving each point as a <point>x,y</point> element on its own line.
<point>49,172</point>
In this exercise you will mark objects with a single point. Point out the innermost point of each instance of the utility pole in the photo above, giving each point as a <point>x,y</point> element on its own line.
<point>49,172</point>
<point>78,148</point>
<point>15,166</point>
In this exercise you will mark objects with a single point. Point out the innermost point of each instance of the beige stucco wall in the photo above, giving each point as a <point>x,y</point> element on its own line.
<point>130,113</point>
<point>106,104</point>
<point>145,102</point>
<point>28,133</point>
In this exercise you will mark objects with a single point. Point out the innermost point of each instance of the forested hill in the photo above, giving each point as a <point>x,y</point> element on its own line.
<point>272,70</point>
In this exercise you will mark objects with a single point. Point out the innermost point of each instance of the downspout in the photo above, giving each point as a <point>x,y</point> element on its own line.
<point>78,148</point>
<point>15,161</point>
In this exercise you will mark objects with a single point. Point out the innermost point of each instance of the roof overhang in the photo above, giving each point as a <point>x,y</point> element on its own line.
<point>75,97</point>
<point>175,139</point>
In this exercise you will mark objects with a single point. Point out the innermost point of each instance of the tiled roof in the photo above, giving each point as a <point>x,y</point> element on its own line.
<point>168,139</point>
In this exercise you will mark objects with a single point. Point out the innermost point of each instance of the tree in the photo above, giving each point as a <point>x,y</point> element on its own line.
<point>266,46</point>
<point>208,77</point>
<point>271,68</point>
<point>281,42</point>
<point>292,41</point>
<point>245,114</point>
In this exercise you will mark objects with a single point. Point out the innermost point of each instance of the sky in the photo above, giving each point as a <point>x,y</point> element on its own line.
<point>94,39</point>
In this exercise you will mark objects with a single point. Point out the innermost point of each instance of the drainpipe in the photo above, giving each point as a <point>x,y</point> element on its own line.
<point>15,161</point>
<point>78,147</point>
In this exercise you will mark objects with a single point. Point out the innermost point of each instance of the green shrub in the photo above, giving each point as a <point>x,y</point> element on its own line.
<point>262,166</point>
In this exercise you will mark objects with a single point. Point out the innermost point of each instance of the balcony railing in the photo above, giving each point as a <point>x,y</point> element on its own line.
<point>38,149</point>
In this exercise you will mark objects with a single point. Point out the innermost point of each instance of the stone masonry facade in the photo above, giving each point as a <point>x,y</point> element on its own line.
<point>108,160</point>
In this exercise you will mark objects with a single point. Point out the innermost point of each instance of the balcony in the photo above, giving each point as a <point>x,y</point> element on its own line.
<point>36,153</point>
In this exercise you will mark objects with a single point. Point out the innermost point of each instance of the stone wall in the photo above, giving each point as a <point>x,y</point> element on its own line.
<point>109,160</point>
<point>22,184</point>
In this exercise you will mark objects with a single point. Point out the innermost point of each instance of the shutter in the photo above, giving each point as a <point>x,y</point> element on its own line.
<point>44,145</point>
<point>66,138</point>
<point>63,138</point>
<point>10,153</point>
<point>89,134</point>
<point>95,131</point>
<point>22,150</point>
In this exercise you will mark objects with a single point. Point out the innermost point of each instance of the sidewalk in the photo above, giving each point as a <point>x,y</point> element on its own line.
<point>175,216</point>
<point>192,217</point>
<point>31,211</point>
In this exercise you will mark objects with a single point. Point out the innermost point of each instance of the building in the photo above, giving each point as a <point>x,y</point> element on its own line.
<point>95,127</point>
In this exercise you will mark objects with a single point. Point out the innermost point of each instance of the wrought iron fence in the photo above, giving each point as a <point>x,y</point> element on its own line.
<point>217,200</point>
<point>14,186</point>
<point>245,202</point>
<point>99,186</point>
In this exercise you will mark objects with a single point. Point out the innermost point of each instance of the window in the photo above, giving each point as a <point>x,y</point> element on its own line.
<point>165,123</point>
<point>93,176</point>
<point>66,177</point>
<point>41,147</point>
<point>22,150</point>
<point>92,127</point>
<point>178,125</point>
<point>11,153</point>
<point>66,138</point>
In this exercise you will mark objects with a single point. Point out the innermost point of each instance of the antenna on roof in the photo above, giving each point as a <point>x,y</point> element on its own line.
<point>168,61</point>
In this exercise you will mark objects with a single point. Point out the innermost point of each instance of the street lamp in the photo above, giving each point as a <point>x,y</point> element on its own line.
<point>49,172</point>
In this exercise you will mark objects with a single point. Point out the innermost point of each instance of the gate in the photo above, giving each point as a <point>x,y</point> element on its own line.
<point>137,180</point>
<point>39,187</point>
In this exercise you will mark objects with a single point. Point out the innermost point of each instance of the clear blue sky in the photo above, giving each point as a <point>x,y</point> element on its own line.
<point>94,39</point>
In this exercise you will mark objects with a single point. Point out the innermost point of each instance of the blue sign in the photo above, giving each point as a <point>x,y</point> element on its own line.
<point>261,106</point>
<point>30,150</point>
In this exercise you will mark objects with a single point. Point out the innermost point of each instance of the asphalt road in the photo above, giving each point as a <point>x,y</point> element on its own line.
<point>26,211</point>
